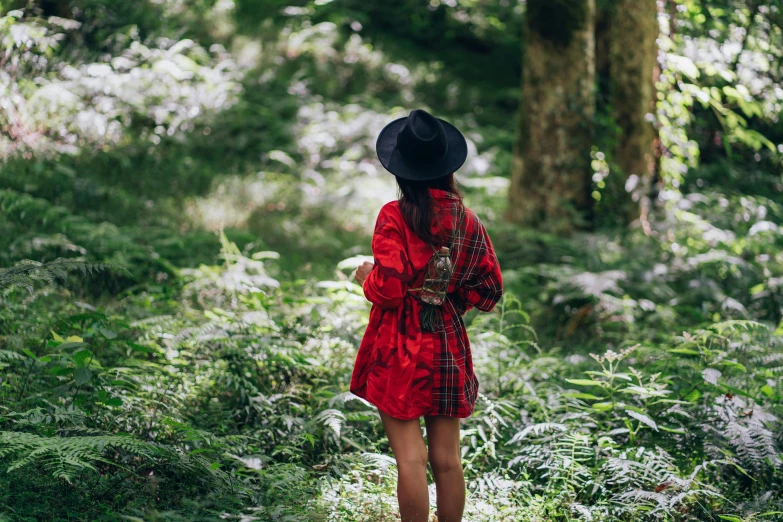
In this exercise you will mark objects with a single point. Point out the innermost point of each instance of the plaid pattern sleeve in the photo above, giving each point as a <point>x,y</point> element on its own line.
<point>482,283</point>
<point>399,368</point>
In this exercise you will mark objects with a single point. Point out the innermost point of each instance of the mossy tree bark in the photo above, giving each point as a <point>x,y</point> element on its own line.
<point>550,177</point>
<point>633,55</point>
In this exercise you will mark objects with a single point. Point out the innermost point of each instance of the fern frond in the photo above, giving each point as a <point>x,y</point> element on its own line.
<point>331,419</point>
<point>736,325</point>
<point>26,274</point>
<point>537,429</point>
<point>65,457</point>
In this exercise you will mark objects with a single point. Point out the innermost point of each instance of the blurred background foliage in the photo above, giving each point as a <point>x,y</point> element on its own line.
<point>187,185</point>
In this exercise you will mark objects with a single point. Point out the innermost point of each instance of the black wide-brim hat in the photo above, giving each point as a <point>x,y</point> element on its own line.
<point>421,147</point>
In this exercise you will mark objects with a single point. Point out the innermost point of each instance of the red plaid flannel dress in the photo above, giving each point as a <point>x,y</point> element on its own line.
<point>402,370</point>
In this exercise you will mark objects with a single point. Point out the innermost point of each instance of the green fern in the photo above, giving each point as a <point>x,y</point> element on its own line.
<point>27,273</point>
<point>66,457</point>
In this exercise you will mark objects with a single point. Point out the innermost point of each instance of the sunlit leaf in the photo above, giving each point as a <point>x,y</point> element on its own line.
<point>642,418</point>
<point>585,382</point>
<point>81,357</point>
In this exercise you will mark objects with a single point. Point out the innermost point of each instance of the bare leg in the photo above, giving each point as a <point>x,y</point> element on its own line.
<point>443,444</point>
<point>411,454</point>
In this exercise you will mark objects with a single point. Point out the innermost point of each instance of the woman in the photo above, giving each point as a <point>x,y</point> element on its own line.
<point>405,367</point>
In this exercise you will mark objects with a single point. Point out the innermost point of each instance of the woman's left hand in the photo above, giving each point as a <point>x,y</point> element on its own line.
<point>363,271</point>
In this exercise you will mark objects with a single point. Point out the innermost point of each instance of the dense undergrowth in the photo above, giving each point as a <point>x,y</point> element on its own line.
<point>229,393</point>
<point>181,212</point>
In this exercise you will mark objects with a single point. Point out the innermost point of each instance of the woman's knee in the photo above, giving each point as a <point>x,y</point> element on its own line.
<point>412,460</point>
<point>443,462</point>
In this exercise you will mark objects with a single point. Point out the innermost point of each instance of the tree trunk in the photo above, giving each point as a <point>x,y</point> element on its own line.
<point>633,57</point>
<point>550,174</point>
<point>603,24</point>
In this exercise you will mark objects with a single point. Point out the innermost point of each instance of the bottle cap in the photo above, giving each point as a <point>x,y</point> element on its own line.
<point>444,250</point>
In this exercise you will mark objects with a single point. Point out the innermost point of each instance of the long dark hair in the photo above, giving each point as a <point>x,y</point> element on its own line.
<point>416,203</point>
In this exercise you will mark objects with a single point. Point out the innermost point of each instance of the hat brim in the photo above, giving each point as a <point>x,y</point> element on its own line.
<point>386,148</point>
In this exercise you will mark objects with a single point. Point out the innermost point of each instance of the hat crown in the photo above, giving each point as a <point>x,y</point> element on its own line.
<point>422,140</point>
